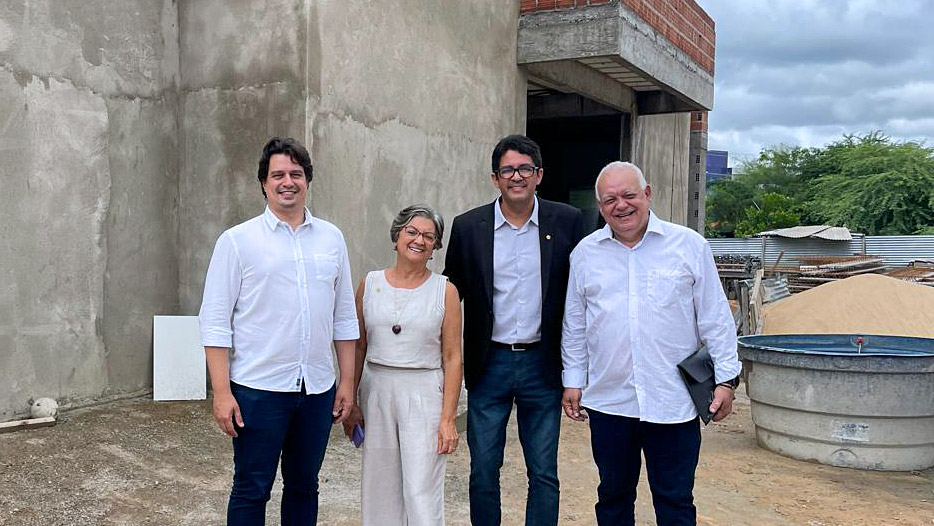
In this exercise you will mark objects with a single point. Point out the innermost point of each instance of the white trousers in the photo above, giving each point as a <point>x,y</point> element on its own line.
<point>403,474</point>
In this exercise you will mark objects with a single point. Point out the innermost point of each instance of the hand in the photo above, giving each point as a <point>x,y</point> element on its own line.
<point>722,404</point>
<point>343,401</point>
<point>356,417</point>
<point>447,437</point>
<point>571,402</point>
<point>226,412</point>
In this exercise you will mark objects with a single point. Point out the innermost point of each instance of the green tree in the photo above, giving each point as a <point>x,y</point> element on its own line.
<point>867,183</point>
<point>727,201</point>
<point>782,171</point>
<point>875,186</point>
<point>770,211</point>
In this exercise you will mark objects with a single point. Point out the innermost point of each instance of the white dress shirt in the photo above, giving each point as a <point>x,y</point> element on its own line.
<point>278,298</point>
<point>517,279</point>
<point>632,314</point>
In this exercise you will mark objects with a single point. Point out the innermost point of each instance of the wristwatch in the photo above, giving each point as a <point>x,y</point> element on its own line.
<point>732,383</point>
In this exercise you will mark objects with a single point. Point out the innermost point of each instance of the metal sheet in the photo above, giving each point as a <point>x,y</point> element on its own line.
<point>898,251</point>
<point>830,233</point>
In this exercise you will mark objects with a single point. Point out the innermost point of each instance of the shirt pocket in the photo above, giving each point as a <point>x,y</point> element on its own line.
<point>669,287</point>
<point>326,267</point>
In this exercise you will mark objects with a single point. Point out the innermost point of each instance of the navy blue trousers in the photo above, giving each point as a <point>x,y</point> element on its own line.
<point>671,452</point>
<point>514,377</point>
<point>293,425</point>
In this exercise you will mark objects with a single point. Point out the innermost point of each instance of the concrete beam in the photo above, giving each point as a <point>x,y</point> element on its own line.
<point>572,76</point>
<point>658,101</point>
<point>614,30</point>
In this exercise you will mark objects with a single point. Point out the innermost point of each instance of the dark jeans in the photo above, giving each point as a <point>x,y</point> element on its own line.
<point>296,425</point>
<point>671,452</point>
<point>514,376</point>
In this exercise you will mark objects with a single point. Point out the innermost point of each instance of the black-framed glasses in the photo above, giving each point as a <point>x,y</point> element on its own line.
<point>429,237</point>
<point>524,170</point>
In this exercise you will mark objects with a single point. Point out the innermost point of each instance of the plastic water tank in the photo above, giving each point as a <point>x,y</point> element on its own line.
<point>854,400</point>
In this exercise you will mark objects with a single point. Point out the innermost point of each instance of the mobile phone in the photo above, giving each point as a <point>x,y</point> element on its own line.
<point>357,435</point>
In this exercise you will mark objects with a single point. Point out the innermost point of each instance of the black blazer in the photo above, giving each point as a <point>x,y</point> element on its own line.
<point>469,266</point>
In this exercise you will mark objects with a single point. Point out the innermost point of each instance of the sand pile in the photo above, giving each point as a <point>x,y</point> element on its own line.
<point>868,303</point>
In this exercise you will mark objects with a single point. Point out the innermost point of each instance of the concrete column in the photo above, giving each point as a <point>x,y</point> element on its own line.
<point>661,145</point>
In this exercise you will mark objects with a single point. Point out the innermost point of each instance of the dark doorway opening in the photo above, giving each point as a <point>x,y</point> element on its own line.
<point>578,137</point>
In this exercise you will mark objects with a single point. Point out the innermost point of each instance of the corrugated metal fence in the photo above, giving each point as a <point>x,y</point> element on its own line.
<point>898,251</point>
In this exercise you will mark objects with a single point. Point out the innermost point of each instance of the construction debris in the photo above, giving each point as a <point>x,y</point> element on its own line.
<point>43,407</point>
<point>916,273</point>
<point>819,269</point>
<point>31,423</point>
<point>814,270</point>
<point>737,267</point>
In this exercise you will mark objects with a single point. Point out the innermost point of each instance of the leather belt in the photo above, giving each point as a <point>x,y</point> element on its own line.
<point>516,346</point>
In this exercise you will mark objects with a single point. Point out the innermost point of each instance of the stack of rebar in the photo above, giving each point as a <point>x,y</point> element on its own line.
<point>920,274</point>
<point>819,269</point>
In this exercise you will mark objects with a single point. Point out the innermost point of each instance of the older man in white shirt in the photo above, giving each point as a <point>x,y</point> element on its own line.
<point>643,294</point>
<point>277,293</point>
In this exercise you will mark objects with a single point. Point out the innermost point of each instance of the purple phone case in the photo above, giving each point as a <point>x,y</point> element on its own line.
<point>357,435</point>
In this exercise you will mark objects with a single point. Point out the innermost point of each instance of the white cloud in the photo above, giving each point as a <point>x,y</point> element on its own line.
<point>807,72</point>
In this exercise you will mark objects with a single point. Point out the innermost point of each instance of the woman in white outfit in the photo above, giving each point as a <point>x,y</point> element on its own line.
<point>409,358</point>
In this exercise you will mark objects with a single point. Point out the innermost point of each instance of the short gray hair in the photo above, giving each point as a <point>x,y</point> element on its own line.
<point>615,165</point>
<point>408,213</point>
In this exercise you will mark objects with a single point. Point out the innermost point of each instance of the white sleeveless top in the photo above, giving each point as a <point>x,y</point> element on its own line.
<point>418,312</point>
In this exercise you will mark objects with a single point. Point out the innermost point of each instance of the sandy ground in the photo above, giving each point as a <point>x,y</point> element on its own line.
<point>139,462</point>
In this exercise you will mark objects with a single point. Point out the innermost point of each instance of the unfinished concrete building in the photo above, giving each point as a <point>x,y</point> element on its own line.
<point>130,131</point>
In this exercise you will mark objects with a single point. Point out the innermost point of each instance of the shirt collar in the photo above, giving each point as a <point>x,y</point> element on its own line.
<point>499,218</point>
<point>272,220</point>
<point>656,225</point>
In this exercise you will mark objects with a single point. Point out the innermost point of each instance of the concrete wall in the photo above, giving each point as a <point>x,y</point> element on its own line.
<point>397,106</point>
<point>88,145</point>
<point>129,137</point>
<point>661,145</point>
<point>243,80</point>
<point>414,119</point>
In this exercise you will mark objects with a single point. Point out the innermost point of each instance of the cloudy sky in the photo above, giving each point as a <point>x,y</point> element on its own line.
<point>805,72</point>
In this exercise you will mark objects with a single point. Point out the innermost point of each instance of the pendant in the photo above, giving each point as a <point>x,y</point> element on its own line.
<point>396,329</point>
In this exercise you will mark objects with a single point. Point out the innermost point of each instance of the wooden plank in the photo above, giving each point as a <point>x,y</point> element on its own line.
<point>30,423</point>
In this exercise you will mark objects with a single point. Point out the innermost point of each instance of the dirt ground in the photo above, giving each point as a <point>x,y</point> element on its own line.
<point>140,462</point>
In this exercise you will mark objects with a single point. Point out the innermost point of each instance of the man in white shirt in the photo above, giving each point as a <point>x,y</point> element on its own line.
<point>277,293</point>
<point>643,294</point>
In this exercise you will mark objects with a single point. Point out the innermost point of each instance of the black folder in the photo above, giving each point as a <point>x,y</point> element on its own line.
<point>697,372</point>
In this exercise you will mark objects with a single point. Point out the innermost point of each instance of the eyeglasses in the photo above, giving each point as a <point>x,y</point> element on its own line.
<point>429,237</point>
<point>524,170</point>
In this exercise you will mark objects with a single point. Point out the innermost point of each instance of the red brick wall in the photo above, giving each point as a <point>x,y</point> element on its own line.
<point>546,5</point>
<point>682,22</point>
<point>699,121</point>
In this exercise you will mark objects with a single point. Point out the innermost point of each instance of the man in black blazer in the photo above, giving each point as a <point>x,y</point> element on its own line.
<point>509,262</point>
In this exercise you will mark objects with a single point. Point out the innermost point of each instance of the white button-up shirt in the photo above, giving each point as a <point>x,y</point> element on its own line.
<point>632,314</point>
<point>517,279</point>
<point>278,298</point>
